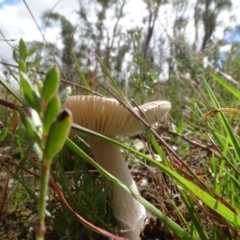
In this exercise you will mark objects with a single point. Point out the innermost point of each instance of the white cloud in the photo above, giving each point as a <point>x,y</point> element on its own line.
<point>17,22</point>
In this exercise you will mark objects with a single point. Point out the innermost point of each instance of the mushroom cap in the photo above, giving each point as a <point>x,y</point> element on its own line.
<point>109,117</point>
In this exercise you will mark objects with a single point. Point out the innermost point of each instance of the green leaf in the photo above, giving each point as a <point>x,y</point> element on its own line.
<point>22,49</point>
<point>14,92</point>
<point>180,127</point>
<point>31,52</point>
<point>65,94</point>
<point>3,134</point>
<point>50,114</point>
<point>34,64</point>
<point>22,66</point>
<point>32,124</point>
<point>29,92</point>
<point>57,135</point>
<point>50,85</point>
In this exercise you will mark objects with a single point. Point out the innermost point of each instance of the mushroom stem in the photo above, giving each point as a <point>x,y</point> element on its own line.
<point>129,213</point>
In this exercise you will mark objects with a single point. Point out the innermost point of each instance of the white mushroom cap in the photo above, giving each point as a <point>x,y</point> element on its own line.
<point>108,117</point>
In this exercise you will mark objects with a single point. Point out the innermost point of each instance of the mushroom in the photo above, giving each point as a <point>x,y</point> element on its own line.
<point>110,118</point>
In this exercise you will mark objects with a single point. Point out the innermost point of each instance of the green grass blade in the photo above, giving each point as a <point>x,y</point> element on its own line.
<point>198,192</point>
<point>235,91</point>
<point>196,222</point>
<point>167,221</point>
<point>224,121</point>
<point>14,92</point>
<point>113,82</point>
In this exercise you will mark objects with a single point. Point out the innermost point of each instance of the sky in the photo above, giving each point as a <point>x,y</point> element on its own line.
<point>16,21</point>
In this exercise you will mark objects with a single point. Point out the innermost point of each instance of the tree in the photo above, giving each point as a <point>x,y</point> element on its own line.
<point>173,40</point>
